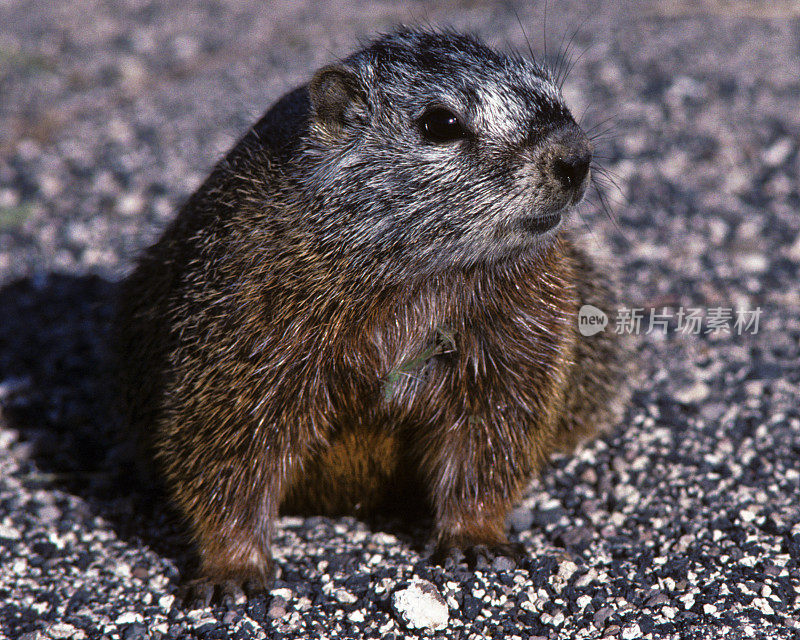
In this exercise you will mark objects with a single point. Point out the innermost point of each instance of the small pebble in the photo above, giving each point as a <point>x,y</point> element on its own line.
<point>421,606</point>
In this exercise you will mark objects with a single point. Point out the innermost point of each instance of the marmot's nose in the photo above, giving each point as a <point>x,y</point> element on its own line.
<point>568,156</point>
<point>571,168</point>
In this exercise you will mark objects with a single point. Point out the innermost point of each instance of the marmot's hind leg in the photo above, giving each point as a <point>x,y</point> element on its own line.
<point>598,388</point>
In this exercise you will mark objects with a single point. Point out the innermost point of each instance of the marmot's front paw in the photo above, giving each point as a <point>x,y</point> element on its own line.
<point>203,592</point>
<point>507,555</point>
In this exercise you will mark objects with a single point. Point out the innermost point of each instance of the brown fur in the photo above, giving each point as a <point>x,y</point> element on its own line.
<point>262,374</point>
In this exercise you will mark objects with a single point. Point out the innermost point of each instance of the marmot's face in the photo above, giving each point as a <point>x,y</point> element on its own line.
<point>445,152</point>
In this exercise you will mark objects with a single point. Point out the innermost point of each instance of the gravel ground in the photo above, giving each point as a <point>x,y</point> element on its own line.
<point>683,522</point>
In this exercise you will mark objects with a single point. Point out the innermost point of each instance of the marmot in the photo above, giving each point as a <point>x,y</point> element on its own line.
<point>371,301</point>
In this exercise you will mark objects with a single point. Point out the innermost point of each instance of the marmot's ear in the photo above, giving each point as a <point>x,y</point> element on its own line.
<point>338,97</point>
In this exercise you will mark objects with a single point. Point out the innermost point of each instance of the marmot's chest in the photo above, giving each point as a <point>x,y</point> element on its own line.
<point>472,360</point>
<point>420,362</point>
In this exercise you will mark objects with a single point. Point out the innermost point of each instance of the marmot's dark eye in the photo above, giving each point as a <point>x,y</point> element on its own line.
<point>440,125</point>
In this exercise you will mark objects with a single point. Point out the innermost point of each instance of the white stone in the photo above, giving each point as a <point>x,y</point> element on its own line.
<point>529,604</point>
<point>9,533</point>
<point>284,593</point>
<point>62,630</point>
<point>387,627</point>
<point>356,616</point>
<point>129,617</point>
<point>589,577</point>
<point>421,606</point>
<point>203,621</point>
<point>130,204</point>
<point>385,539</point>
<point>694,393</point>
<point>617,519</point>
<point>344,596</point>
<point>763,606</point>
<point>632,632</point>
<point>778,153</point>
<point>7,438</point>
<point>566,569</point>
<point>753,262</point>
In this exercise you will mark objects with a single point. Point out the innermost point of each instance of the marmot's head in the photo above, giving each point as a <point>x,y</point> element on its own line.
<point>429,150</point>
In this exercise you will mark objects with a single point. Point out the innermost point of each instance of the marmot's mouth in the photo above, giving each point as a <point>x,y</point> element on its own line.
<point>540,224</point>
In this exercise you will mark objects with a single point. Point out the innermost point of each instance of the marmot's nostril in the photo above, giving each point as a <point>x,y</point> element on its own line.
<point>571,169</point>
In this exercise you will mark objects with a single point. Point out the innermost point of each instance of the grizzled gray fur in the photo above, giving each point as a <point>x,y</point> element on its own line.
<point>411,219</point>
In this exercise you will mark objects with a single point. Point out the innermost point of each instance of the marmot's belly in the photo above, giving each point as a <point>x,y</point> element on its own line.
<point>360,472</point>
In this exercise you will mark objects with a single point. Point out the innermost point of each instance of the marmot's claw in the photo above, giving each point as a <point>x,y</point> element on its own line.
<point>482,557</point>
<point>195,594</point>
<point>231,593</point>
<point>203,592</point>
<point>254,588</point>
<point>447,557</point>
<point>505,556</point>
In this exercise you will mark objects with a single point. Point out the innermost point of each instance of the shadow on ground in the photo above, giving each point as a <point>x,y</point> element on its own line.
<point>56,391</point>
